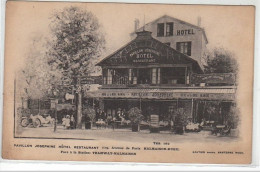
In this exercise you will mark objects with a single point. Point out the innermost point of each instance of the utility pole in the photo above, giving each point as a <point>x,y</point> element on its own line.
<point>56,118</point>
<point>79,105</point>
<point>56,101</point>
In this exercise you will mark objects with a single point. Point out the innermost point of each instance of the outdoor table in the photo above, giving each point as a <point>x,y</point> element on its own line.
<point>218,129</point>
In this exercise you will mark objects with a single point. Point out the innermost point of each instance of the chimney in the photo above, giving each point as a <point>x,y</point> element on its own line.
<point>136,24</point>
<point>199,21</point>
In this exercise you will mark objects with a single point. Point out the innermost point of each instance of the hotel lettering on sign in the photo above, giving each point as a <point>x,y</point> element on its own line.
<point>144,55</point>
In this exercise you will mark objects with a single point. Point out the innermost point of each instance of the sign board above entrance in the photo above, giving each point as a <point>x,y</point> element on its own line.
<point>163,95</point>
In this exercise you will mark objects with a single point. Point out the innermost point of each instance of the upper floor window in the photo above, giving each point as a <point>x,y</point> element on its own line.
<point>160,29</point>
<point>107,76</point>
<point>169,29</point>
<point>184,47</point>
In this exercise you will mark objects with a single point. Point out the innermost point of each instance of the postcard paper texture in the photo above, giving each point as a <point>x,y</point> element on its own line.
<point>117,82</point>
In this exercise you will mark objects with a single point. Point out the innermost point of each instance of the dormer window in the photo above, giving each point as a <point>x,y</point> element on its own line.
<point>169,29</point>
<point>160,29</point>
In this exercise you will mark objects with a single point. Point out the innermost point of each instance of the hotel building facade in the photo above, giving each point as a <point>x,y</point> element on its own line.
<point>160,71</point>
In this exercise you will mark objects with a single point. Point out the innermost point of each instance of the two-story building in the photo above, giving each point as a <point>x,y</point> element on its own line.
<point>184,37</point>
<point>159,79</point>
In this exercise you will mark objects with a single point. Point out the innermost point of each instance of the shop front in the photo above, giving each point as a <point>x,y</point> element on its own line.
<point>209,104</point>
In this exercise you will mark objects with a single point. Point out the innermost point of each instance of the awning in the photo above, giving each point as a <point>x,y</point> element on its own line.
<point>185,93</point>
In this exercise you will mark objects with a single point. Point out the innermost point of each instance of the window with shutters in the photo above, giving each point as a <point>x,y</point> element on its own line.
<point>154,76</point>
<point>169,29</point>
<point>104,76</point>
<point>109,76</point>
<point>132,76</point>
<point>158,75</point>
<point>184,47</point>
<point>160,29</point>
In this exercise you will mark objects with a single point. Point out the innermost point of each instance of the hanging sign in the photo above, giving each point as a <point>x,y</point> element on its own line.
<point>69,96</point>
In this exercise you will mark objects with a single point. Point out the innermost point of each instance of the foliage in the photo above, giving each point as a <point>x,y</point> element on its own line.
<point>90,113</point>
<point>75,46</point>
<point>220,60</point>
<point>181,117</point>
<point>77,41</point>
<point>36,79</point>
<point>212,108</point>
<point>233,117</point>
<point>135,115</point>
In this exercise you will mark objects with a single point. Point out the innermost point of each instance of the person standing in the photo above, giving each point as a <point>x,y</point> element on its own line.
<point>67,122</point>
<point>64,121</point>
<point>72,122</point>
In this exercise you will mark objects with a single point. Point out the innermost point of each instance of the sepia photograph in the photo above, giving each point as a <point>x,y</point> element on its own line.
<point>122,82</point>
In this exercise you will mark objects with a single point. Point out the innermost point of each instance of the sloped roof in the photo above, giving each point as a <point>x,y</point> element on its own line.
<point>164,54</point>
<point>181,21</point>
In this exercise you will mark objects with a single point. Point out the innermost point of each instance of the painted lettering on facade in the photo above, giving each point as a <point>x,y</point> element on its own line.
<point>144,55</point>
<point>185,32</point>
<point>168,95</point>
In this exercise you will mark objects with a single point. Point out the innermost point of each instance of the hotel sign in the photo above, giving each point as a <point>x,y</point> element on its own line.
<point>144,55</point>
<point>164,95</point>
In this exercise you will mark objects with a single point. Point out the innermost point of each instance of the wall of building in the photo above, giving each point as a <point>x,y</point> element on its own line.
<point>182,32</point>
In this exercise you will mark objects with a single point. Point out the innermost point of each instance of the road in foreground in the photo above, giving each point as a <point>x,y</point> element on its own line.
<point>122,135</point>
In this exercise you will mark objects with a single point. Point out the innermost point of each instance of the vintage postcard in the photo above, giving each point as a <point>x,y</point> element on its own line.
<point>122,82</point>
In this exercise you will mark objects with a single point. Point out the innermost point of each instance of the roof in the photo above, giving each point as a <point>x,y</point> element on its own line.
<point>181,21</point>
<point>162,53</point>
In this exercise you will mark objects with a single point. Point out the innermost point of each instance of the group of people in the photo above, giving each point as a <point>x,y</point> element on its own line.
<point>69,122</point>
<point>103,118</point>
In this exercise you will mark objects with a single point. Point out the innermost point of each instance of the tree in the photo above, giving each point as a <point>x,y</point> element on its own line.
<point>76,43</point>
<point>90,115</point>
<point>220,60</point>
<point>36,78</point>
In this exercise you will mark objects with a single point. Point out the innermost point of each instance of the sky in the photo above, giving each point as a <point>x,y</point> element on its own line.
<point>230,27</point>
